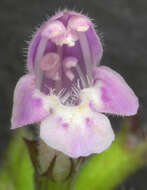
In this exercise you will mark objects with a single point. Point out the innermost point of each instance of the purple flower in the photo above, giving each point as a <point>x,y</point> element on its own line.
<point>66,92</point>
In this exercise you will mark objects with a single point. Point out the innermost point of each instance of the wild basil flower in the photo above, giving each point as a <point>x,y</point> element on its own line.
<point>66,90</point>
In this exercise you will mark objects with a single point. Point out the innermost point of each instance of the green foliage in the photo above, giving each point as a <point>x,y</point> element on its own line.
<point>48,184</point>
<point>100,172</point>
<point>18,172</point>
<point>108,169</point>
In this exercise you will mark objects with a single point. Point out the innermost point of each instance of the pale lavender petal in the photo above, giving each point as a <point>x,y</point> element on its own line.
<point>27,108</point>
<point>32,50</point>
<point>95,45</point>
<point>77,133</point>
<point>116,96</point>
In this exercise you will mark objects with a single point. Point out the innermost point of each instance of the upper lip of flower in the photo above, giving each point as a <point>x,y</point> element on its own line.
<point>66,91</point>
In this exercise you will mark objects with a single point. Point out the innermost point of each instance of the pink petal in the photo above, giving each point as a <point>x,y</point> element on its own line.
<point>76,134</point>
<point>26,108</point>
<point>116,96</point>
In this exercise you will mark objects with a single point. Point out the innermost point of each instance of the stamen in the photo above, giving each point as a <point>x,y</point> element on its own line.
<point>49,61</point>
<point>90,82</point>
<point>78,84</point>
<point>86,53</point>
<point>50,64</point>
<point>70,37</point>
<point>69,40</point>
<point>79,23</point>
<point>82,77</point>
<point>54,29</point>
<point>56,77</point>
<point>68,63</point>
<point>57,32</point>
<point>58,84</point>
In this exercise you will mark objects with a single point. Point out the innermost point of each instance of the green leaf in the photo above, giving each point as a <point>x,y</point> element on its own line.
<point>106,170</point>
<point>18,171</point>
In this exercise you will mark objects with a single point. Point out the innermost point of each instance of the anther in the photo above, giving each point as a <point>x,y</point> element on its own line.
<point>50,64</point>
<point>54,29</point>
<point>68,63</point>
<point>79,23</point>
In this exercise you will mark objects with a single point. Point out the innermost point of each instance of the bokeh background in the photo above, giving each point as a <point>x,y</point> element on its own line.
<point>122,25</point>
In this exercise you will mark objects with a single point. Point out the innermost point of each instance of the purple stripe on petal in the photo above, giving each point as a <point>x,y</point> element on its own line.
<point>116,96</point>
<point>27,109</point>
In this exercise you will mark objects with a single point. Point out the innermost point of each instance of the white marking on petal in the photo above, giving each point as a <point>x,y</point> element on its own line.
<point>76,130</point>
<point>92,95</point>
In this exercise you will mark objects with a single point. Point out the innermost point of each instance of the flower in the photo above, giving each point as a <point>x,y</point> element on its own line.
<point>66,90</point>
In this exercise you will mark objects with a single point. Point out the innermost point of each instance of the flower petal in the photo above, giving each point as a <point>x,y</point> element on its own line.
<point>76,131</point>
<point>27,108</point>
<point>116,96</point>
<point>32,50</point>
<point>95,45</point>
